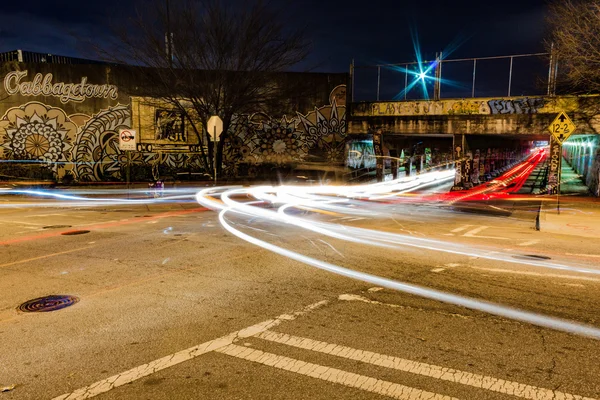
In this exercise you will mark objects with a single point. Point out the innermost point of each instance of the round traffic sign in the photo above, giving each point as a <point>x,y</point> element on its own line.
<point>126,136</point>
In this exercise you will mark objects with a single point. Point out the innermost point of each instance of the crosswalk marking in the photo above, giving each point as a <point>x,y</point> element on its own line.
<point>473,232</point>
<point>152,367</point>
<point>462,228</point>
<point>329,374</point>
<point>419,368</point>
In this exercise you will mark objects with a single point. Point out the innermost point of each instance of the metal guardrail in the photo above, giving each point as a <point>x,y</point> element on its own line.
<point>422,75</point>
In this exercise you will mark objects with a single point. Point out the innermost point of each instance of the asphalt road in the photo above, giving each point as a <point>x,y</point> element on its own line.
<point>172,306</point>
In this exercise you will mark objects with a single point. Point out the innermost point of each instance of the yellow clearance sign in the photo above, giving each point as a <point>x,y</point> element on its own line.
<point>562,127</point>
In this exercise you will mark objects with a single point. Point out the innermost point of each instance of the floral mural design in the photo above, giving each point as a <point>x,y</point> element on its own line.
<point>260,139</point>
<point>97,148</point>
<point>278,142</point>
<point>325,130</point>
<point>35,131</point>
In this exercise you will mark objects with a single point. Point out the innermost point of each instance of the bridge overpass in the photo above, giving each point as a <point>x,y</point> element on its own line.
<point>483,133</point>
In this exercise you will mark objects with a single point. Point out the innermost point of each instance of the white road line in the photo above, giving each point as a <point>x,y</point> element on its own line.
<point>150,368</point>
<point>529,243</point>
<point>21,223</point>
<point>356,297</point>
<point>438,269</point>
<point>583,255</point>
<point>543,275</point>
<point>472,233</point>
<point>44,215</point>
<point>415,367</point>
<point>462,228</point>
<point>334,375</point>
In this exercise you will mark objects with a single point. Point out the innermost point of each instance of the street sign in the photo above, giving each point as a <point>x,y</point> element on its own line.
<point>127,139</point>
<point>214,126</point>
<point>562,127</point>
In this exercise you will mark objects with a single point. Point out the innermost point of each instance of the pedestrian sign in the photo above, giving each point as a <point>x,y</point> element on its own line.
<point>562,127</point>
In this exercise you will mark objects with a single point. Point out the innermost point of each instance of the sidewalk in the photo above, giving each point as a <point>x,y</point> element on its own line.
<point>575,212</point>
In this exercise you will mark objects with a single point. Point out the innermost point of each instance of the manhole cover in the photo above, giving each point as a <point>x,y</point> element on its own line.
<point>74,232</point>
<point>56,226</point>
<point>532,257</point>
<point>48,303</point>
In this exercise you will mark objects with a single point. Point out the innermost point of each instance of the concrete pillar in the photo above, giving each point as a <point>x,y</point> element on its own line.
<point>394,163</point>
<point>378,148</point>
<point>458,145</point>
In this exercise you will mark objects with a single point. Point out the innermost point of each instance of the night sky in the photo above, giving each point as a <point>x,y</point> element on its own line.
<point>376,31</point>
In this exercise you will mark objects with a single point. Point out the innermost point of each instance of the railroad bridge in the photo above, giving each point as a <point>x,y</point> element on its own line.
<point>412,135</point>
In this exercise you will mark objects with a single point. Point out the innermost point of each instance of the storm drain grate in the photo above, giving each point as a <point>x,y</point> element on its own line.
<point>56,226</point>
<point>532,257</point>
<point>74,232</point>
<point>48,303</point>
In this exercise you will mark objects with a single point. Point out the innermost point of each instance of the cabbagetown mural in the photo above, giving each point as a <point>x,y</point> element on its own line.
<point>78,146</point>
<point>60,133</point>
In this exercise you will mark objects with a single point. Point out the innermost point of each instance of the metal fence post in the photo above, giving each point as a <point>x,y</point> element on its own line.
<point>474,69</point>
<point>510,75</point>
<point>405,79</point>
<point>378,80</point>
<point>352,81</point>
<point>437,89</point>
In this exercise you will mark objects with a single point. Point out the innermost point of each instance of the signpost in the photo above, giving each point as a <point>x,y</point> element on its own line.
<point>128,143</point>
<point>561,128</point>
<point>214,126</point>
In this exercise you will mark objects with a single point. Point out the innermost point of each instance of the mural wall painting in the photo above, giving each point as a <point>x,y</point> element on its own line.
<point>85,147</point>
<point>259,139</point>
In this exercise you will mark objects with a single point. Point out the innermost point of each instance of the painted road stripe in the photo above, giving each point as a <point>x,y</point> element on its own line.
<point>415,367</point>
<point>473,232</point>
<point>540,274</point>
<point>462,228</point>
<point>150,368</point>
<point>583,255</point>
<point>44,256</point>
<point>529,243</point>
<point>328,374</point>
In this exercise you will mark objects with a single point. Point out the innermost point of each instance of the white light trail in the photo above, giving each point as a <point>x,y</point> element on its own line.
<point>338,199</point>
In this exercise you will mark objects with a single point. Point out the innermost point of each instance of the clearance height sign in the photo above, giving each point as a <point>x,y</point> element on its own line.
<point>561,128</point>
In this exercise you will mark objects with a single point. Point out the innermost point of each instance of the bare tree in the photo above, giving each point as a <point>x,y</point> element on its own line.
<point>207,57</point>
<point>575,34</point>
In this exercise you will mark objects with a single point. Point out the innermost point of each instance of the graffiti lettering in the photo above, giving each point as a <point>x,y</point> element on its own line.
<point>554,168</point>
<point>516,106</point>
<point>459,107</point>
<point>42,85</point>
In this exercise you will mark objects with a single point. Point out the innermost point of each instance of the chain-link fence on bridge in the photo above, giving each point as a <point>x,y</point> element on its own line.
<point>514,75</point>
